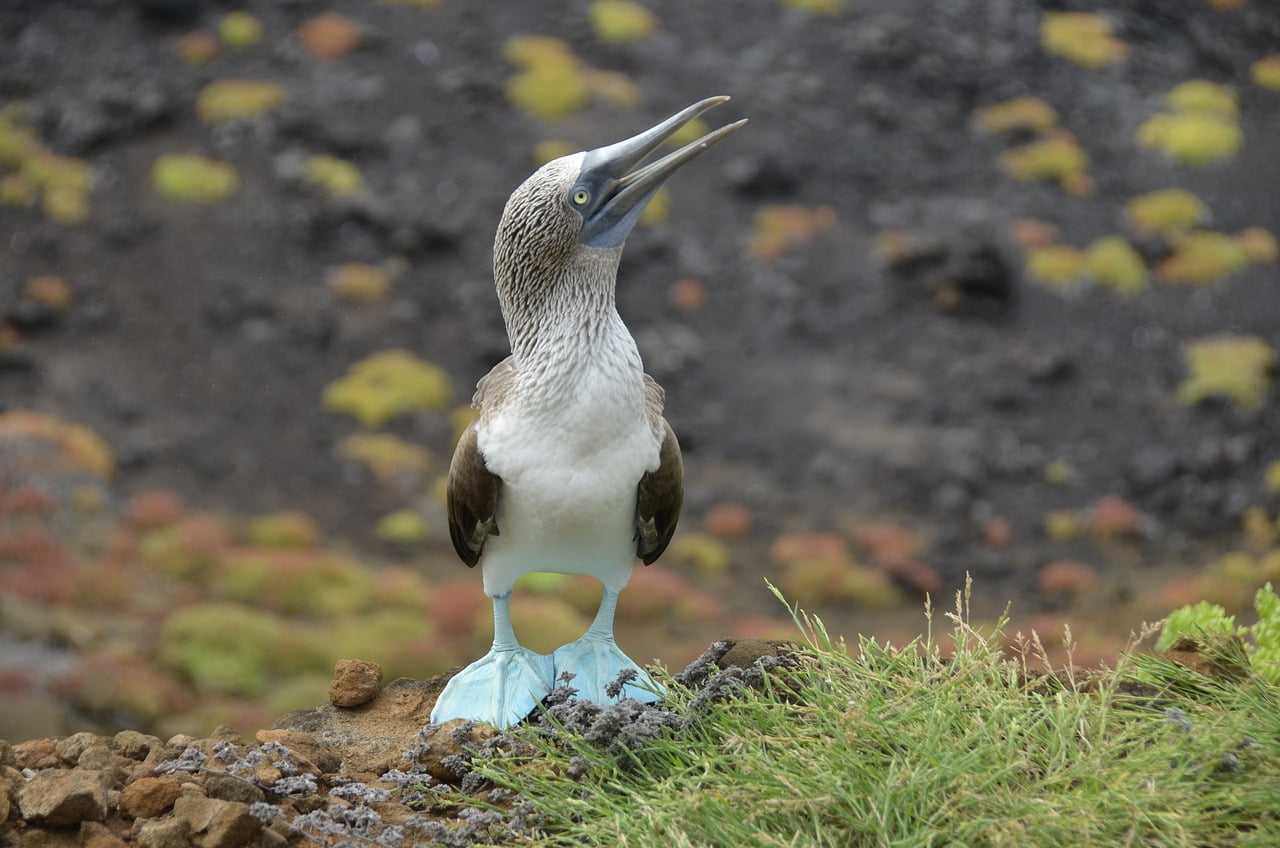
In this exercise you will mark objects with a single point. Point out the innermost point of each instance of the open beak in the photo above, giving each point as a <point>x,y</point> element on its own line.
<point>622,186</point>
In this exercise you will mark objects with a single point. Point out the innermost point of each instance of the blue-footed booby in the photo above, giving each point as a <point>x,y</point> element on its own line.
<point>569,465</point>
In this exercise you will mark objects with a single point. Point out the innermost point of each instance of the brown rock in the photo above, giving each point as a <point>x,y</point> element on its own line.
<point>70,749</point>
<point>269,838</point>
<point>217,824</point>
<point>10,780</point>
<point>39,837</point>
<point>134,745</point>
<point>309,754</point>
<point>227,733</point>
<point>371,737</point>
<point>96,835</point>
<point>149,797</point>
<point>1219,655</point>
<point>228,788</point>
<point>163,833</point>
<point>102,758</point>
<point>448,739</point>
<point>355,682</point>
<point>64,798</point>
<point>36,754</point>
<point>743,653</point>
<point>267,775</point>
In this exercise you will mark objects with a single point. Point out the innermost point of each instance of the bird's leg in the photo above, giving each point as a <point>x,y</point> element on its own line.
<point>504,685</point>
<point>596,661</point>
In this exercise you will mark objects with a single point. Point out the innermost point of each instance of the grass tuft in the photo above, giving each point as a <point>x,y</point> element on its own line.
<point>942,742</point>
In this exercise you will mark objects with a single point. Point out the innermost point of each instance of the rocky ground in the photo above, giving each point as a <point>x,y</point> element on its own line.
<point>368,768</point>
<point>837,304</point>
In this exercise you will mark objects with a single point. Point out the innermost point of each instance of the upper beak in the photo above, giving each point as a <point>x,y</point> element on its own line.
<point>624,186</point>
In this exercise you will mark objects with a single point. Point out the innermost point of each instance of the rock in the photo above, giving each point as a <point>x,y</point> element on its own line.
<point>371,737</point>
<point>96,835</point>
<point>448,740</point>
<point>228,788</point>
<point>134,745</point>
<point>1221,656</point>
<point>149,797</point>
<point>743,653</point>
<point>355,682</point>
<point>100,758</point>
<point>39,837</point>
<point>217,824</point>
<point>64,798</point>
<point>36,754</point>
<point>163,833</point>
<point>306,752</point>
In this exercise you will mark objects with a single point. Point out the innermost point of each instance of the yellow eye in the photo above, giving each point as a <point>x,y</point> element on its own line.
<point>581,196</point>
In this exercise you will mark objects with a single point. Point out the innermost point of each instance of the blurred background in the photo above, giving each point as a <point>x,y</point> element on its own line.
<point>986,288</point>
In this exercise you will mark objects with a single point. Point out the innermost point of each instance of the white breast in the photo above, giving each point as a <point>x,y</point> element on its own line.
<point>569,462</point>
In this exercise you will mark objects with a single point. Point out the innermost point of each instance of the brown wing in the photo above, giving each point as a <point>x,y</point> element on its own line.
<point>660,493</point>
<point>472,497</point>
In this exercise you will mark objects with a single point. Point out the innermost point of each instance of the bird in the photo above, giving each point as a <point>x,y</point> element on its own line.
<point>569,465</point>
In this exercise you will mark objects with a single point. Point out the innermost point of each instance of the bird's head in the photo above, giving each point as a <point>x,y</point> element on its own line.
<point>583,206</point>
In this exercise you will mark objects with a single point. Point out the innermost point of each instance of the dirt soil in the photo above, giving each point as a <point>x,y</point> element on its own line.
<point>823,389</point>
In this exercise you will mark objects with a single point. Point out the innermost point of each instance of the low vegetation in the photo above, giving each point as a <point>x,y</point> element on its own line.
<point>943,741</point>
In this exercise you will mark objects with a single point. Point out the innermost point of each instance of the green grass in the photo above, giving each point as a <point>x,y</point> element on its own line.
<point>943,742</point>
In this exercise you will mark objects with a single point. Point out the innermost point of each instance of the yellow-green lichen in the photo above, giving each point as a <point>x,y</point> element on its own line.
<point>614,88</point>
<point>1203,96</point>
<point>17,140</point>
<point>388,384</point>
<point>1057,156</point>
<point>827,8</point>
<point>658,210</point>
<point>239,30</point>
<point>289,530</point>
<point>1021,113</point>
<point>553,148</point>
<point>1081,37</point>
<point>552,83</point>
<point>1202,127</point>
<point>1056,265</point>
<point>359,282</point>
<point>1234,367</point>
<point>1165,212</point>
<point>1114,263</point>
<point>237,99</point>
<point>65,445</point>
<point>1202,257</point>
<point>1271,476</point>
<point>297,582</point>
<point>387,457</point>
<point>403,527</point>
<point>222,647</point>
<point>620,21</point>
<point>1266,72</point>
<point>194,178</point>
<point>338,177</point>
<point>704,552</point>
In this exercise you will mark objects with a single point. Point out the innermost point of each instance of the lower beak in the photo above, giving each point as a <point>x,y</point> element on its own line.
<point>628,185</point>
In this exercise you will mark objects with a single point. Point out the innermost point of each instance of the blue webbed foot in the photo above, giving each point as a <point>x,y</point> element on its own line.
<point>501,688</point>
<point>595,662</point>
